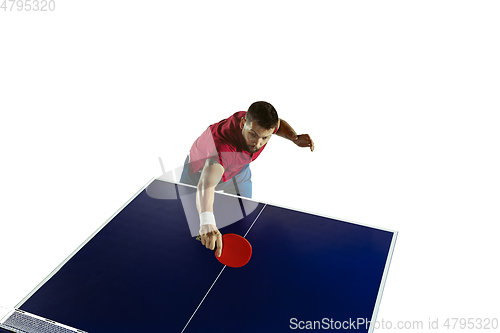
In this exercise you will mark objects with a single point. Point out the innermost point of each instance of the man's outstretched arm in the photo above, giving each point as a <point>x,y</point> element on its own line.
<point>286,131</point>
<point>210,177</point>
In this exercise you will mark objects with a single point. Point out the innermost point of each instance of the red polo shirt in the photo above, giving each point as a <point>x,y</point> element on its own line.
<point>223,141</point>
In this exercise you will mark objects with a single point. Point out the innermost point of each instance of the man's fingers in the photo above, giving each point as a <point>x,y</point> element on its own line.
<point>219,244</point>
<point>309,141</point>
<point>213,238</point>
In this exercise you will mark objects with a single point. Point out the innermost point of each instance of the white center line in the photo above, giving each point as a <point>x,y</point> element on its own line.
<point>203,298</point>
<point>255,220</point>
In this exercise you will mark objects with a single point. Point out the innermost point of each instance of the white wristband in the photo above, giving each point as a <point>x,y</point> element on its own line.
<point>207,218</point>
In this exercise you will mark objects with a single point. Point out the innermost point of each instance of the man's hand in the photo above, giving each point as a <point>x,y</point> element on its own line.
<point>304,140</point>
<point>211,238</point>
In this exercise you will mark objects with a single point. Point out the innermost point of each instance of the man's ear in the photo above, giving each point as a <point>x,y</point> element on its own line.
<point>243,121</point>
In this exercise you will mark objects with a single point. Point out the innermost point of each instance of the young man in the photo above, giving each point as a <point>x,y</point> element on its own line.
<point>219,160</point>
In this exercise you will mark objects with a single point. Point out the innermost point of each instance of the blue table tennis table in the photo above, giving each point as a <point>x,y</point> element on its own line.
<point>144,271</point>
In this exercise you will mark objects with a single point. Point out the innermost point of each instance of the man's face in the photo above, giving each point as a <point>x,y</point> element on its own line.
<point>254,136</point>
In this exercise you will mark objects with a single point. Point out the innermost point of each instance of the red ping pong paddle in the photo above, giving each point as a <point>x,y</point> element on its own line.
<point>236,251</point>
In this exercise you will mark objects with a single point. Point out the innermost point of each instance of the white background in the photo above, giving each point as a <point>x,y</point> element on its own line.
<point>401,99</point>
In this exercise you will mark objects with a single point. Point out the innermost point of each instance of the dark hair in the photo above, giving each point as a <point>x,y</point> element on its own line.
<point>264,114</point>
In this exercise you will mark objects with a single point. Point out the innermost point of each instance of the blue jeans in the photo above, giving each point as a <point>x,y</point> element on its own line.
<point>240,184</point>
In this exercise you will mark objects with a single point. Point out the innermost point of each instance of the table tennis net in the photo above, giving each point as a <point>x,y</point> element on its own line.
<point>23,322</point>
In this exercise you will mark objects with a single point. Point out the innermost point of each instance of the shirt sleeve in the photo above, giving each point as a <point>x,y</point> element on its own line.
<point>222,159</point>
